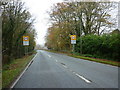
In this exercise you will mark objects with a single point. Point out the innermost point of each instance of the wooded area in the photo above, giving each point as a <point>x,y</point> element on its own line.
<point>91,22</point>
<point>16,23</point>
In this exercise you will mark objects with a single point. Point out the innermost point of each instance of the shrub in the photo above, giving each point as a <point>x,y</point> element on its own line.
<point>107,46</point>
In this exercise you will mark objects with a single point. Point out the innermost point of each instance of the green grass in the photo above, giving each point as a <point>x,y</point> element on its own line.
<point>98,60</point>
<point>0,80</point>
<point>11,71</point>
<point>105,61</point>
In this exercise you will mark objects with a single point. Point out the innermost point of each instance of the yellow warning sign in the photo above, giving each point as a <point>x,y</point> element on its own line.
<point>25,38</point>
<point>73,37</point>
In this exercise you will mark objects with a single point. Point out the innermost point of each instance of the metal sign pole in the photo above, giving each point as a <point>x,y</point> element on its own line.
<point>27,50</point>
<point>24,49</point>
<point>73,42</point>
<point>73,48</point>
<point>26,43</point>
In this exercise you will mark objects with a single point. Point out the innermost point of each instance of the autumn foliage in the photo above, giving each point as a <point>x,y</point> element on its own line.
<point>16,23</point>
<point>89,20</point>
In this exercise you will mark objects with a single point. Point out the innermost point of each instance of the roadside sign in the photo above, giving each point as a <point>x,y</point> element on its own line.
<point>25,43</point>
<point>73,39</point>
<point>25,40</point>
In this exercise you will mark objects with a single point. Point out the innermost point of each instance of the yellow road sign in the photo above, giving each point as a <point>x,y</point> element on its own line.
<point>73,37</point>
<point>25,38</point>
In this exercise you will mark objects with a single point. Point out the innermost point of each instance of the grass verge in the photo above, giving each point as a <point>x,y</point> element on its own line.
<point>114,63</point>
<point>11,71</point>
<point>104,61</point>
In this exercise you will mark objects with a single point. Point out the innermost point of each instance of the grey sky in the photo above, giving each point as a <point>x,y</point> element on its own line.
<point>38,9</point>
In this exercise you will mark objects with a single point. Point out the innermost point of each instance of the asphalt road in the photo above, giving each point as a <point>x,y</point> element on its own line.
<point>51,70</point>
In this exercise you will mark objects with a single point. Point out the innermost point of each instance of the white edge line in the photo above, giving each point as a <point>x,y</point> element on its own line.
<point>83,78</point>
<point>22,72</point>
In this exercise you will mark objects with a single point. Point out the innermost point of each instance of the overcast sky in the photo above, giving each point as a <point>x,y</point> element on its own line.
<point>38,9</point>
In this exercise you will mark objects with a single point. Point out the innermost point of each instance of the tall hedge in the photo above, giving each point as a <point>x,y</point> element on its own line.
<point>107,45</point>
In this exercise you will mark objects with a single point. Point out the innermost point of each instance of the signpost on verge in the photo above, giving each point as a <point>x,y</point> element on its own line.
<point>26,43</point>
<point>73,41</point>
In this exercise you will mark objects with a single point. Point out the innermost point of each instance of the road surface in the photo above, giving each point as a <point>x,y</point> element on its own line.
<point>52,70</point>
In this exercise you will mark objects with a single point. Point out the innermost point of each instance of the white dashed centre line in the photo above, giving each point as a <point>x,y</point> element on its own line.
<point>73,72</point>
<point>83,78</point>
<point>64,66</point>
<point>56,61</point>
<point>49,56</point>
<point>78,75</point>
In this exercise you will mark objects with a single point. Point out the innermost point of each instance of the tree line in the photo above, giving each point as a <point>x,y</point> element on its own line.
<point>91,22</point>
<point>16,23</point>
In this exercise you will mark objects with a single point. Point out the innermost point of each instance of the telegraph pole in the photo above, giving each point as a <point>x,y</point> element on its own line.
<point>119,15</point>
<point>80,29</point>
<point>81,35</point>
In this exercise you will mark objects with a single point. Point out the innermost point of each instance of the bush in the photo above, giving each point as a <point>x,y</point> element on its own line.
<point>107,46</point>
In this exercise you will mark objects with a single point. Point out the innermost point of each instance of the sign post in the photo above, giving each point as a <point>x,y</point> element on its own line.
<point>73,42</point>
<point>26,43</point>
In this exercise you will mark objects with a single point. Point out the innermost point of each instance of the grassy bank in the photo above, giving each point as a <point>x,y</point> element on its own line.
<point>11,71</point>
<point>105,61</point>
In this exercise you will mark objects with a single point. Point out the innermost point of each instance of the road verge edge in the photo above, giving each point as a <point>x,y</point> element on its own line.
<point>21,74</point>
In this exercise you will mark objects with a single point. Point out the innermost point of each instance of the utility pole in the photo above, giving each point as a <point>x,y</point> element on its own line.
<point>80,28</point>
<point>119,15</point>
<point>81,34</point>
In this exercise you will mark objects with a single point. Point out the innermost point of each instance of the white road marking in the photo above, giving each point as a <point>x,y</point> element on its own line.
<point>56,61</point>
<point>70,70</point>
<point>49,56</point>
<point>73,72</point>
<point>83,78</point>
<point>64,66</point>
<point>23,72</point>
